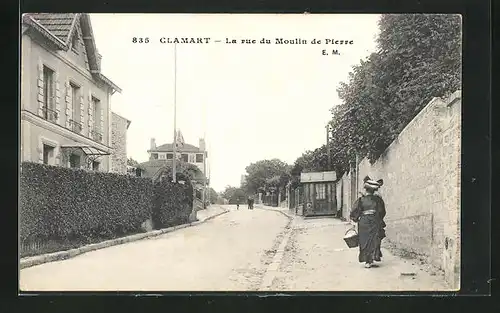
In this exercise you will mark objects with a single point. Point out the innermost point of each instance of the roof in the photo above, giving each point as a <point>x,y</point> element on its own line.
<point>58,28</point>
<point>59,24</point>
<point>169,147</point>
<point>152,167</point>
<point>317,177</point>
<point>88,150</point>
<point>126,119</point>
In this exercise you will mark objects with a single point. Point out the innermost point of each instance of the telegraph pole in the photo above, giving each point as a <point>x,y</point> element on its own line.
<point>328,145</point>
<point>174,172</point>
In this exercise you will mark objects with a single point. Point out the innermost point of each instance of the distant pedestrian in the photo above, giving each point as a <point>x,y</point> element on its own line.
<point>237,206</point>
<point>250,204</point>
<point>369,212</point>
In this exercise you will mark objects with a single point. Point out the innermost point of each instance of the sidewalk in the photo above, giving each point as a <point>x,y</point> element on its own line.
<point>202,216</point>
<point>210,212</point>
<point>285,211</point>
<point>316,258</point>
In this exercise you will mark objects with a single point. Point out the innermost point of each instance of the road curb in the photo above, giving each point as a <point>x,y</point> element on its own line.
<point>291,216</point>
<point>273,267</point>
<point>64,255</point>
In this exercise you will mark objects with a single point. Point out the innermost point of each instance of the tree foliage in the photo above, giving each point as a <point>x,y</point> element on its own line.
<point>266,175</point>
<point>418,58</point>
<point>212,195</point>
<point>185,168</point>
<point>234,195</point>
<point>309,161</point>
<point>132,162</point>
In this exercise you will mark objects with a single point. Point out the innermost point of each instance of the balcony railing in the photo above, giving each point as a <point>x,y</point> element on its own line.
<point>76,126</point>
<point>97,134</point>
<point>49,115</point>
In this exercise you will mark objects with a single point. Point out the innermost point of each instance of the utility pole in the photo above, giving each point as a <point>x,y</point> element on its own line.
<point>328,146</point>
<point>174,172</point>
<point>204,195</point>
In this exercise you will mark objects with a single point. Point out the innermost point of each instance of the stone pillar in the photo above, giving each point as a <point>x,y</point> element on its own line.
<point>192,216</point>
<point>288,196</point>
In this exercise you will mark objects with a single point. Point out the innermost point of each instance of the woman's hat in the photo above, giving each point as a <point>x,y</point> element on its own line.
<point>372,184</point>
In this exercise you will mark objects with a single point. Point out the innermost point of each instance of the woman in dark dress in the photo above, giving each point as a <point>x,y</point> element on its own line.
<point>369,212</point>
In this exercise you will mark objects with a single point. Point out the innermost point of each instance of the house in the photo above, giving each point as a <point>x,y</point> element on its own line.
<point>65,99</point>
<point>119,127</point>
<point>187,153</point>
<point>190,158</point>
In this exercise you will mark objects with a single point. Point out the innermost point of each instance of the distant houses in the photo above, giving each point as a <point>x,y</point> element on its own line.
<point>187,153</point>
<point>191,160</point>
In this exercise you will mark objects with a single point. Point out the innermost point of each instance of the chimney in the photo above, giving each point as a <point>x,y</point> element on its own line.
<point>153,144</point>
<point>202,144</point>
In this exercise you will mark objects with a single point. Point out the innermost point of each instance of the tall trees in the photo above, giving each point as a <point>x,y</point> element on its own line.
<point>418,58</point>
<point>266,175</point>
<point>234,195</point>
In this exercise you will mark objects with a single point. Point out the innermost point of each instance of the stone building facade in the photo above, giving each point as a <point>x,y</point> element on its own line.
<point>421,173</point>
<point>119,127</point>
<point>65,99</point>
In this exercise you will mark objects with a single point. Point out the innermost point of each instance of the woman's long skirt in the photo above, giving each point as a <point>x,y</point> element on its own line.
<point>369,230</point>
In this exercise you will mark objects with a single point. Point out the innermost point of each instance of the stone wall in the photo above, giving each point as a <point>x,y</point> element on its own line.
<point>119,143</point>
<point>421,173</point>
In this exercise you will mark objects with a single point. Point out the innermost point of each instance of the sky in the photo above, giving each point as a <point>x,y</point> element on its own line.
<point>249,101</point>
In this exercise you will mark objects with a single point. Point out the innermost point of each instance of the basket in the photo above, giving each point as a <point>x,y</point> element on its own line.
<point>351,238</point>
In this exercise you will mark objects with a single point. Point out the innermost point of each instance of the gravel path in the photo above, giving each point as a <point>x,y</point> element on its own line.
<point>317,259</point>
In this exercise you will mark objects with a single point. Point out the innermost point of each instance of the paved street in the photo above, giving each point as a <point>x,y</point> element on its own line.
<point>238,251</point>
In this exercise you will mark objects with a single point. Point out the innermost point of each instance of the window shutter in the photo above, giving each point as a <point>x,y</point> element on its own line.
<point>40,88</point>
<point>82,110</point>
<point>58,98</point>
<point>90,113</point>
<point>69,109</point>
<point>102,122</point>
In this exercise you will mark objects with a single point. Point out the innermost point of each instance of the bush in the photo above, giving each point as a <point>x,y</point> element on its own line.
<point>173,202</point>
<point>60,203</point>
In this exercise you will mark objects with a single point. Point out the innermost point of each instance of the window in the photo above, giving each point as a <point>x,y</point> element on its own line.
<point>48,154</point>
<point>199,158</point>
<point>95,165</point>
<point>75,106</point>
<point>162,156</point>
<point>74,161</point>
<point>184,157</point>
<point>170,156</point>
<point>48,94</point>
<point>96,112</point>
<point>154,156</point>
<point>191,158</point>
<point>320,191</point>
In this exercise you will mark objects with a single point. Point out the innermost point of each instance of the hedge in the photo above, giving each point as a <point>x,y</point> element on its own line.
<point>62,208</point>
<point>71,204</point>
<point>172,204</point>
